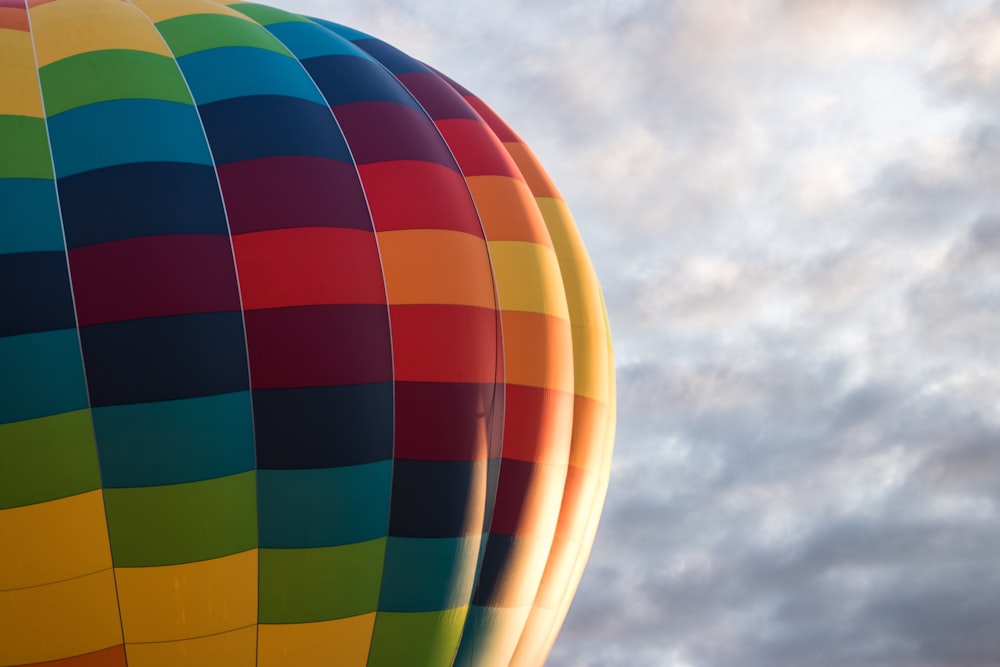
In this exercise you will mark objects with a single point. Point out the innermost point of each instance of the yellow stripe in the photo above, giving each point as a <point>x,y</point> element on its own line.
<point>20,78</point>
<point>161,10</point>
<point>343,642</point>
<point>53,541</point>
<point>67,28</point>
<point>193,599</point>
<point>528,278</point>
<point>583,296</point>
<point>59,620</point>
<point>237,647</point>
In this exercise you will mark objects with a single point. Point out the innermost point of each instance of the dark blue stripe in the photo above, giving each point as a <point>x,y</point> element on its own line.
<point>34,293</point>
<point>347,79</point>
<point>323,427</point>
<point>392,58</point>
<point>436,498</point>
<point>165,358</point>
<point>141,199</point>
<point>244,128</point>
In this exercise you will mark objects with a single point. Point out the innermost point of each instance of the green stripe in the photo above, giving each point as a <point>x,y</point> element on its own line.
<point>265,15</point>
<point>47,458</point>
<point>182,523</point>
<point>198,32</point>
<point>305,585</point>
<point>24,148</point>
<point>428,639</point>
<point>100,76</point>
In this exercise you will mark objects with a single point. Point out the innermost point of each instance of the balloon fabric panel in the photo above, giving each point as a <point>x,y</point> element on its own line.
<point>302,358</point>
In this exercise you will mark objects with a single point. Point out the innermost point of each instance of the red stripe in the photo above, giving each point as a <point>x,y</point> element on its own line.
<point>314,265</point>
<point>477,149</point>
<point>153,276</point>
<point>444,343</point>
<point>292,191</point>
<point>109,657</point>
<point>419,195</point>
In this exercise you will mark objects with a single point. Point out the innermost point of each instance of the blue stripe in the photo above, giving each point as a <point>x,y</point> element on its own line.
<point>173,442</point>
<point>323,507</point>
<point>346,79</point>
<point>35,293</point>
<point>141,199</point>
<point>41,375</point>
<point>126,131</point>
<point>31,216</point>
<point>308,40</point>
<point>165,358</point>
<point>428,574</point>
<point>223,73</point>
<point>244,128</point>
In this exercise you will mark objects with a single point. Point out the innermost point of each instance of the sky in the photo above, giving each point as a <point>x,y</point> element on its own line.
<point>794,211</point>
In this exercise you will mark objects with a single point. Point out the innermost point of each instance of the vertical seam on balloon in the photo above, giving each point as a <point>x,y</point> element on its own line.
<point>388,311</point>
<point>76,320</point>
<point>239,293</point>
<point>487,520</point>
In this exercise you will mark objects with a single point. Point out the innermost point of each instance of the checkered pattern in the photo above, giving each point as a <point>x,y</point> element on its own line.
<point>302,361</point>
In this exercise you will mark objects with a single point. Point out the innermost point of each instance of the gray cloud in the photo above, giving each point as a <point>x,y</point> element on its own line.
<point>793,209</point>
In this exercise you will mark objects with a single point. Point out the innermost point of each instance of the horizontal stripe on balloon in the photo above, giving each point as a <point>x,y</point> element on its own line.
<point>182,523</point>
<point>476,148</point>
<point>317,346</point>
<point>140,199</point>
<point>445,421</point>
<point>243,128</point>
<point>444,343</point>
<point>438,99</point>
<point>437,498</point>
<point>301,509</point>
<point>323,427</point>
<point>293,191</point>
<point>388,131</point>
<point>48,458</point>
<point>36,294</point>
<point>153,276</point>
<point>118,132</point>
<point>346,79</point>
<point>239,71</point>
<point>173,442</point>
<point>51,359</point>
<point>410,194</point>
<point>428,574</point>
<point>218,595</point>
<point>308,266</point>
<point>197,32</point>
<point>165,358</point>
<point>311,585</point>
<point>309,40</point>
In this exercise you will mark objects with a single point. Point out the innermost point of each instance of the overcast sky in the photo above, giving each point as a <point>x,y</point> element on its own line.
<point>794,210</point>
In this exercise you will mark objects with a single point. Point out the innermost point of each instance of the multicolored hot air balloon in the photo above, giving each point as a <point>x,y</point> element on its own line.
<point>302,360</point>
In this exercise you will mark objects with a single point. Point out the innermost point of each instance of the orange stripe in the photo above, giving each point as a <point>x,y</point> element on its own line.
<point>13,18</point>
<point>508,210</point>
<point>436,266</point>
<point>539,182</point>
<point>108,657</point>
<point>537,350</point>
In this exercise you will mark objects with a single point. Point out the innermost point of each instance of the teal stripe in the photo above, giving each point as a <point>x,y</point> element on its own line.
<point>323,507</point>
<point>221,74</point>
<point>40,374</point>
<point>428,574</point>
<point>126,131</point>
<point>309,40</point>
<point>172,442</point>
<point>30,215</point>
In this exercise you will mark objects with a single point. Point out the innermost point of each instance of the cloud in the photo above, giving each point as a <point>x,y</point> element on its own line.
<point>792,206</point>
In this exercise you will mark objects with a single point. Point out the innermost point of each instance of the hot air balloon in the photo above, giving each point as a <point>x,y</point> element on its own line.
<point>302,359</point>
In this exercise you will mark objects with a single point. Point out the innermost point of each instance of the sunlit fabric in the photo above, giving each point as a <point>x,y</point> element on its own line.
<point>302,360</point>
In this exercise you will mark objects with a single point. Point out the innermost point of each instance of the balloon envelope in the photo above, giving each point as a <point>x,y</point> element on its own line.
<point>302,360</point>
